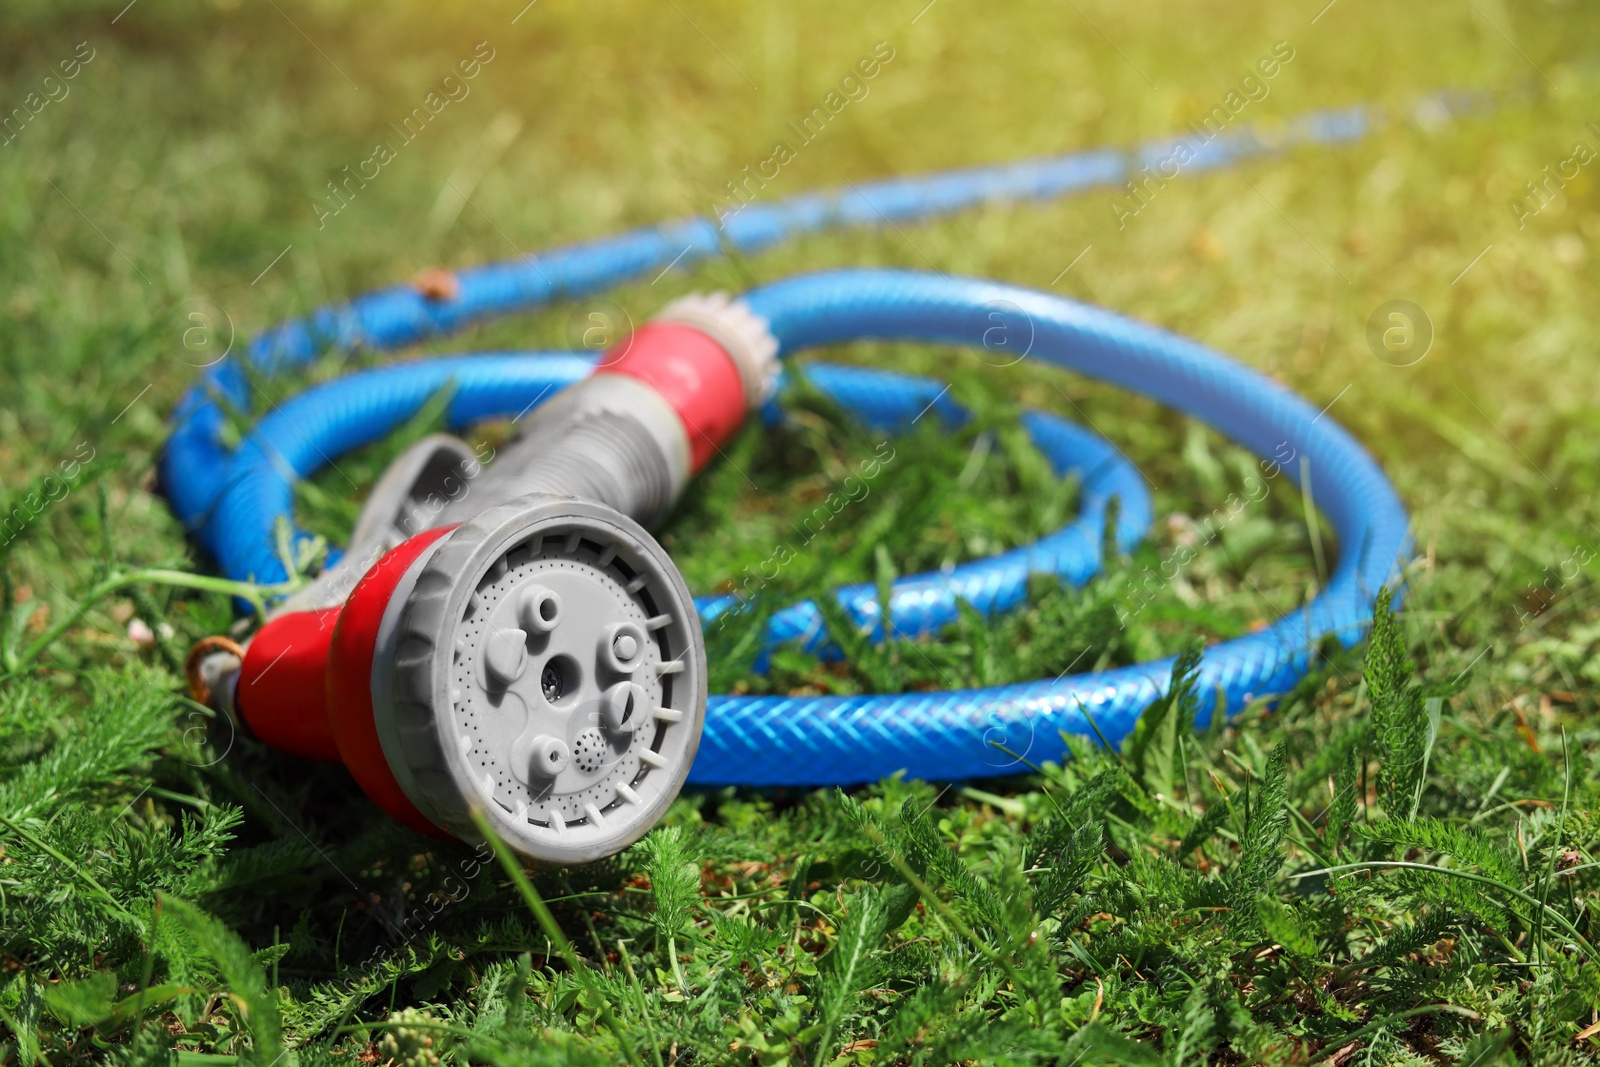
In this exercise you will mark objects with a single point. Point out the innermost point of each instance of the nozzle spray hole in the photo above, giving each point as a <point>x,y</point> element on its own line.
<point>622,647</point>
<point>539,609</point>
<point>559,679</point>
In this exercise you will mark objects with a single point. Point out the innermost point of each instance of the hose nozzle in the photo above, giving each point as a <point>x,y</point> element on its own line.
<point>536,656</point>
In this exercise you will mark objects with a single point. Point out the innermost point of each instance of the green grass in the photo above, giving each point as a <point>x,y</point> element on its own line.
<point>1394,866</point>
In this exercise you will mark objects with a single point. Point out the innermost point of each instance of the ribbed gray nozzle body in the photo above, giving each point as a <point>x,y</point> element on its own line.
<point>609,438</point>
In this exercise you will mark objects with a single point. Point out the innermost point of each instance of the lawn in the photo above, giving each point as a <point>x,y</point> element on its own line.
<point>1396,863</point>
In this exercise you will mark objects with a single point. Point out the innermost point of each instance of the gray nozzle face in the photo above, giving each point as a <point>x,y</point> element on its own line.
<point>547,668</point>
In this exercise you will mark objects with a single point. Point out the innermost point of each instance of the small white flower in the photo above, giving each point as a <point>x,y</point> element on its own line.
<point>139,633</point>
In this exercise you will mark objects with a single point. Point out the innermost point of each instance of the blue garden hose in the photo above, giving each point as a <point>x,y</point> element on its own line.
<point>235,501</point>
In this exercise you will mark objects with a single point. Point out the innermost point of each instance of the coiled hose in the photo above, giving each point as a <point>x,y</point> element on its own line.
<point>235,501</point>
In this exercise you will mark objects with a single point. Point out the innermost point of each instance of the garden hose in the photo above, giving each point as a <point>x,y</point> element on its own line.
<point>508,637</point>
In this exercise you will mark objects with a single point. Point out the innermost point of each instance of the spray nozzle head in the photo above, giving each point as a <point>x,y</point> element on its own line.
<point>544,664</point>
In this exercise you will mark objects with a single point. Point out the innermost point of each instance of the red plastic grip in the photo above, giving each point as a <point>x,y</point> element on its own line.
<point>305,686</point>
<point>349,682</point>
<point>693,373</point>
<point>280,692</point>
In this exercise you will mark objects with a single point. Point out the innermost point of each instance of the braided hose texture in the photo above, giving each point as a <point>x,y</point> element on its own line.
<point>812,740</point>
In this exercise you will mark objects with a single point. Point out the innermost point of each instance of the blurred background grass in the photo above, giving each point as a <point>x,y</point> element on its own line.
<point>191,149</point>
